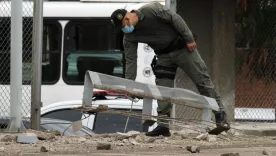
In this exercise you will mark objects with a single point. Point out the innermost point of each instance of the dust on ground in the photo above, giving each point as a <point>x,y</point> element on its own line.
<point>135,143</point>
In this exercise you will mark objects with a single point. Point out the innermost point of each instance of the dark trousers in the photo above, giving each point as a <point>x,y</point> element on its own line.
<point>193,65</point>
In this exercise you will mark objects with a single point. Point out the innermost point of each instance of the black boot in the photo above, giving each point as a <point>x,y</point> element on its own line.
<point>221,122</point>
<point>221,118</point>
<point>159,130</point>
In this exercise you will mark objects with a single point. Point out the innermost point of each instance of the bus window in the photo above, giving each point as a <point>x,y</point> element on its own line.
<point>52,32</point>
<point>50,54</point>
<point>91,45</point>
<point>113,123</point>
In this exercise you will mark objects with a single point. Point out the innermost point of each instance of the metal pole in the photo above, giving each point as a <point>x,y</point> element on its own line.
<point>15,124</point>
<point>168,3</point>
<point>36,61</point>
<point>172,5</point>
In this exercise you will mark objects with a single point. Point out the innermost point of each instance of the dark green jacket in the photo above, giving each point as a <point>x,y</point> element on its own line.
<point>157,27</point>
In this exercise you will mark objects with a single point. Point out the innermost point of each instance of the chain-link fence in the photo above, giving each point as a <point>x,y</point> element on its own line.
<point>27,55</point>
<point>5,49</point>
<point>254,60</point>
<point>5,37</point>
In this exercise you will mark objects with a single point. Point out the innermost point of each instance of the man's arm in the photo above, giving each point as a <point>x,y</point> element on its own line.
<point>174,19</point>
<point>131,58</point>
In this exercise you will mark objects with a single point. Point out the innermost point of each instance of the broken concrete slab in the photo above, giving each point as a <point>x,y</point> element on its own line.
<point>27,139</point>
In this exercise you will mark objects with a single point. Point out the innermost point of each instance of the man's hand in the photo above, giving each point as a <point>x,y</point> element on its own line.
<point>191,46</point>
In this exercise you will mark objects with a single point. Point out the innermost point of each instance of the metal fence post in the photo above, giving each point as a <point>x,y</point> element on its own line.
<point>36,61</point>
<point>172,5</point>
<point>15,124</point>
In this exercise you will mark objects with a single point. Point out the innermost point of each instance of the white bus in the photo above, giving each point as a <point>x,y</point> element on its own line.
<point>77,36</point>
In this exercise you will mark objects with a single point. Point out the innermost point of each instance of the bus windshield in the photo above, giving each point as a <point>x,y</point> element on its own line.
<point>91,45</point>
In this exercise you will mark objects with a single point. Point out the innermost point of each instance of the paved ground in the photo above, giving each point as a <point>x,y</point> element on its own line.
<point>253,151</point>
<point>259,129</point>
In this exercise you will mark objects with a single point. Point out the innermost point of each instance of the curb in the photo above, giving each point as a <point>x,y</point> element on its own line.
<point>271,132</point>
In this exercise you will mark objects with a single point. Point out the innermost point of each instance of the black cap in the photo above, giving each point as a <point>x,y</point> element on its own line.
<point>117,18</point>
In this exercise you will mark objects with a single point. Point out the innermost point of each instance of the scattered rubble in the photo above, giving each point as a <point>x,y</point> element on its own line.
<point>133,142</point>
<point>66,142</point>
<point>139,139</point>
<point>193,149</point>
<point>42,135</point>
<point>151,140</point>
<point>2,149</point>
<point>265,152</point>
<point>7,143</point>
<point>132,139</point>
<point>182,134</point>
<point>9,138</point>
<point>201,137</point>
<point>43,149</point>
<point>82,139</point>
<point>103,146</point>
<point>122,136</point>
<point>207,137</point>
<point>211,138</point>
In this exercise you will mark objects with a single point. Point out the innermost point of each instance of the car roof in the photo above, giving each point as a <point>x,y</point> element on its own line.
<point>116,104</point>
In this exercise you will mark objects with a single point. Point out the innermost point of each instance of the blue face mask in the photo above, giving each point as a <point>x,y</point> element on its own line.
<point>128,29</point>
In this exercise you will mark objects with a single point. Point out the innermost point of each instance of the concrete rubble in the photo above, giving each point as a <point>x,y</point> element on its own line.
<point>211,138</point>
<point>265,152</point>
<point>43,149</point>
<point>207,137</point>
<point>193,149</point>
<point>103,146</point>
<point>184,142</point>
<point>201,137</point>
